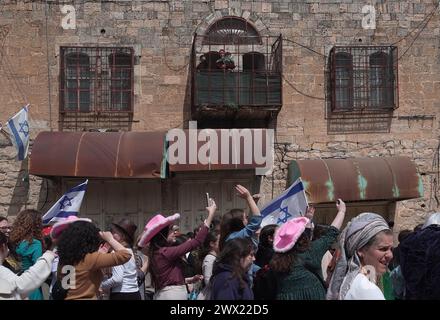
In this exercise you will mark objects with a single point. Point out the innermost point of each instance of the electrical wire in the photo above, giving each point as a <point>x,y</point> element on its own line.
<point>418,33</point>
<point>305,47</point>
<point>418,26</point>
<point>300,92</point>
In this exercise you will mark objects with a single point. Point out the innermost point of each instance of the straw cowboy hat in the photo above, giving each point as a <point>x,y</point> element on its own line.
<point>59,227</point>
<point>126,227</point>
<point>153,227</point>
<point>288,233</point>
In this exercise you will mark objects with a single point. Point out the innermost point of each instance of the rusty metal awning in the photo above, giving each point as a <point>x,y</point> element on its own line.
<point>358,179</point>
<point>238,155</point>
<point>98,154</point>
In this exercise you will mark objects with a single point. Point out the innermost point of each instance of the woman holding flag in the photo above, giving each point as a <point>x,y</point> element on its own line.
<point>297,259</point>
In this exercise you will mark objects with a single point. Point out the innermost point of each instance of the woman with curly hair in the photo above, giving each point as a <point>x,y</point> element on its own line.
<point>78,247</point>
<point>14,287</point>
<point>27,236</point>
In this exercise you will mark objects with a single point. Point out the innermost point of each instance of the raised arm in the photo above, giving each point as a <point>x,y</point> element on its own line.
<point>178,251</point>
<point>120,256</point>
<point>108,237</point>
<point>339,219</point>
<point>245,194</point>
<point>211,211</point>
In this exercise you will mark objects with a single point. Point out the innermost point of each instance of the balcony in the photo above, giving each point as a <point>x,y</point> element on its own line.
<point>236,80</point>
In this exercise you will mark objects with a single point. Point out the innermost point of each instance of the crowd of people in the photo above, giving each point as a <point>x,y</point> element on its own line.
<point>227,258</point>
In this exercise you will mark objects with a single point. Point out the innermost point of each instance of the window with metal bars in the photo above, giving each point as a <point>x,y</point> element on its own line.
<point>96,80</point>
<point>363,78</point>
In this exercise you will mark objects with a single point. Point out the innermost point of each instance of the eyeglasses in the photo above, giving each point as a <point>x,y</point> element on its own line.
<point>5,228</point>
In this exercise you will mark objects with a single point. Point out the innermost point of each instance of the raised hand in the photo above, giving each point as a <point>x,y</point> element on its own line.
<point>340,205</point>
<point>212,206</point>
<point>106,236</point>
<point>310,212</point>
<point>242,192</point>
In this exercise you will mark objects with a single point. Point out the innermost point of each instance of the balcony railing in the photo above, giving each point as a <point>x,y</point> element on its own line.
<point>253,79</point>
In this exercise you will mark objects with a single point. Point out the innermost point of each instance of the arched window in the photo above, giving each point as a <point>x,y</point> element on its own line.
<point>343,80</point>
<point>77,76</point>
<point>120,68</point>
<point>381,80</point>
<point>231,30</point>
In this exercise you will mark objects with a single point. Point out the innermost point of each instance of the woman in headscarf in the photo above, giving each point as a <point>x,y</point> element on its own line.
<point>366,249</point>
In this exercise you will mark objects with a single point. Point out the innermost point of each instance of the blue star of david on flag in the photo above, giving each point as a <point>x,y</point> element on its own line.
<point>65,202</point>
<point>24,128</point>
<point>68,205</point>
<point>290,204</point>
<point>287,215</point>
<point>18,126</point>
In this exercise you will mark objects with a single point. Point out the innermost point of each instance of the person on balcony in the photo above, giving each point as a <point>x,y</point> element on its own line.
<point>225,62</point>
<point>203,64</point>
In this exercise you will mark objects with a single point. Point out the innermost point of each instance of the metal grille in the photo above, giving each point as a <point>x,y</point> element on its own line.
<point>363,78</point>
<point>243,74</point>
<point>231,30</point>
<point>96,82</point>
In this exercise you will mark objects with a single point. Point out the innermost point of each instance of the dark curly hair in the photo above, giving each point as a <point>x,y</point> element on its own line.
<point>27,226</point>
<point>282,262</point>
<point>79,239</point>
<point>3,239</point>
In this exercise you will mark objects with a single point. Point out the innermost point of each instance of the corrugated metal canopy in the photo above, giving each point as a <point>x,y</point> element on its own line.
<point>358,179</point>
<point>98,154</point>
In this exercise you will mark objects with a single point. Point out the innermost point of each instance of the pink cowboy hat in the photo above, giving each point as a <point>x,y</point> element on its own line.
<point>157,223</point>
<point>288,233</point>
<point>60,226</point>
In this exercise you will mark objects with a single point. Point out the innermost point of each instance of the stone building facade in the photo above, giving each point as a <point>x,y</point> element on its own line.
<point>161,36</point>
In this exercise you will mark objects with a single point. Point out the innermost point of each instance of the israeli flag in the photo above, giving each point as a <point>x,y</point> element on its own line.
<point>67,205</point>
<point>290,204</point>
<point>18,126</point>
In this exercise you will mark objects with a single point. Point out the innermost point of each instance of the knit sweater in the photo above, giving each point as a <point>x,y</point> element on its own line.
<point>88,273</point>
<point>300,283</point>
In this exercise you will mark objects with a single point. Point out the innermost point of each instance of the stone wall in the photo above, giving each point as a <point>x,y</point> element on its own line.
<point>161,34</point>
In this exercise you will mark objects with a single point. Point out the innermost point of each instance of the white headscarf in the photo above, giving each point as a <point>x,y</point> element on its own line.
<point>433,219</point>
<point>356,234</point>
